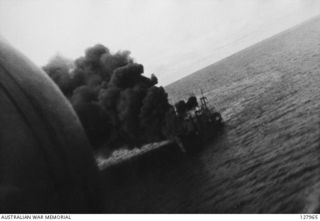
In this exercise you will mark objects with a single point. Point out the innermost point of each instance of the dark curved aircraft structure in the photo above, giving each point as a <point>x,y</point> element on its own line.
<point>46,162</point>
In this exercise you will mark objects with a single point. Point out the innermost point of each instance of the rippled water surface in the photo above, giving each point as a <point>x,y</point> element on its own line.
<point>268,159</point>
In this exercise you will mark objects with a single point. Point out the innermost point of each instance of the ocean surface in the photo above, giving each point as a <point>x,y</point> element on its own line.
<point>267,160</point>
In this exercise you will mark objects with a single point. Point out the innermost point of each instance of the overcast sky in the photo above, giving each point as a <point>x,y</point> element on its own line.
<point>171,38</point>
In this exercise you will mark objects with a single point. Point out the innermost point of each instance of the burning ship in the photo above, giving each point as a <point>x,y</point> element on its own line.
<point>199,126</point>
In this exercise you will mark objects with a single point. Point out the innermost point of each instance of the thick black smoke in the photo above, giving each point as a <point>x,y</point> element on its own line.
<point>59,69</point>
<point>98,64</point>
<point>126,76</point>
<point>153,113</point>
<point>115,102</point>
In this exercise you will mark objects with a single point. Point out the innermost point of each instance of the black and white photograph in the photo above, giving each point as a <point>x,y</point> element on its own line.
<point>159,107</point>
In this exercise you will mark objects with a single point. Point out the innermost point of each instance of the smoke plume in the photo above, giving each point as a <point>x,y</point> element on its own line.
<point>115,102</point>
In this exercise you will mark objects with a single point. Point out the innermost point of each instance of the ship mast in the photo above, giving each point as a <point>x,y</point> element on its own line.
<point>203,101</point>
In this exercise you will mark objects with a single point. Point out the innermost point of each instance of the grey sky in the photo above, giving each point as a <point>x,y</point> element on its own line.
<point>172,38</point>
